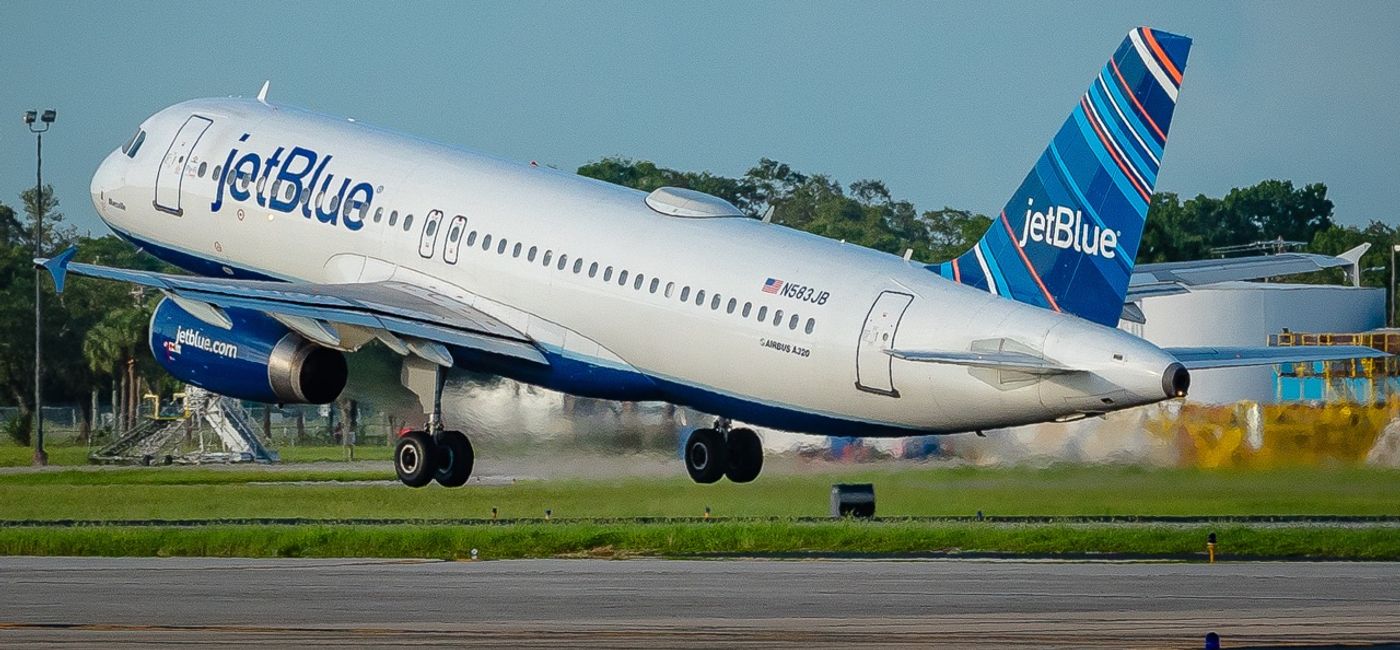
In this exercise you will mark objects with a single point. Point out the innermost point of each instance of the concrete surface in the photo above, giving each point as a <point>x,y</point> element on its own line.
<point>660,603</point>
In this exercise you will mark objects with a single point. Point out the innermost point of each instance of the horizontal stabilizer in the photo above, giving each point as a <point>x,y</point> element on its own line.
<point>1198,272</point>
<point>992,359</point>
<point>1222,357</point>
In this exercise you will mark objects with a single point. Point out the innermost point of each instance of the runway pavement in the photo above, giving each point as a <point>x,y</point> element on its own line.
<point>718,603</point>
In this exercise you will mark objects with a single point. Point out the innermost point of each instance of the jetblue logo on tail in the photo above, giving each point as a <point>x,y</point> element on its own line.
<point>1064,228</point>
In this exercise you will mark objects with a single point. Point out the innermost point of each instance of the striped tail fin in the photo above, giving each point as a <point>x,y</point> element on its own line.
<point>1068,237</point>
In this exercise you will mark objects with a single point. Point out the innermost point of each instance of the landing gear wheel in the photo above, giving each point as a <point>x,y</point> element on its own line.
<point>705,455</point>
<point>745,455</point>
<point>415,459</point>
<point>455,457</point>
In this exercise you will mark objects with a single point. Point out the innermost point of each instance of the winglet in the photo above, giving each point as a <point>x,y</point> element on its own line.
<point>1353,257</point>
<point>262,94</point>
<point>58,266</point>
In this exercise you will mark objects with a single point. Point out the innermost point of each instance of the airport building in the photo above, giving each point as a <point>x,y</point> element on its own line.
<point>1248,314</point>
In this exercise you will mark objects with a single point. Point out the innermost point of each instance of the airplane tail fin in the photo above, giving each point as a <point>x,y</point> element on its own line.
<point>1068,237</point>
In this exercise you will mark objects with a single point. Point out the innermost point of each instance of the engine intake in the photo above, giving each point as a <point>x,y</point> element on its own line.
<point>258,359</point>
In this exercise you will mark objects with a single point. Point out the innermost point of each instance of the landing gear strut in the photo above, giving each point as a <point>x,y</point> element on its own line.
<point>420,457</point>
<point>722,451</point>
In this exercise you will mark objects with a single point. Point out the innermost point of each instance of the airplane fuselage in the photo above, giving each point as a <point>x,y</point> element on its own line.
<point>730,315</point>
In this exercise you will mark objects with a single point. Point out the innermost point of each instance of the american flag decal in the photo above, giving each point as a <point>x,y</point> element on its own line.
<point>773,285</point>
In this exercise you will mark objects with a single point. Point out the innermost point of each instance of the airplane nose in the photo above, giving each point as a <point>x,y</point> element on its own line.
<point>107,179</point>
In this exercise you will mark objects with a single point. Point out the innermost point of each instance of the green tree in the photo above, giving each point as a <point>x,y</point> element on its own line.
<point>867,214</point>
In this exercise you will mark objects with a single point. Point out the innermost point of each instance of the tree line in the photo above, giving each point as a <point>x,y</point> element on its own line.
<point>95,333</point>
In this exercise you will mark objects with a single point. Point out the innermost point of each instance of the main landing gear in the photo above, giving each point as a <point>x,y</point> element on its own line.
<point>722,451</point>
<point>422,457</point>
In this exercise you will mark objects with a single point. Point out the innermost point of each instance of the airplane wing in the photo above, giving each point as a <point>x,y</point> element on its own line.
<point>1228,357</point>
<point>992,359</point>
<point>407,318</point>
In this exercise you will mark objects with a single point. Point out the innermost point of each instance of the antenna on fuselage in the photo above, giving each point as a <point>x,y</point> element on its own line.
<point>262,94</point>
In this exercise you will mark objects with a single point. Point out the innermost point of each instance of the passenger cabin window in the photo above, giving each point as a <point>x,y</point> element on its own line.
<point>356,207</point>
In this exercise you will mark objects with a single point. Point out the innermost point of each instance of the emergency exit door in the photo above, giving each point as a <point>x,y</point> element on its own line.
<point>171,173</point>
<point>874,368</point>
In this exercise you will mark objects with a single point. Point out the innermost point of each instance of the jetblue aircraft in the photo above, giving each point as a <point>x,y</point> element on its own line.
<point>309,236</point>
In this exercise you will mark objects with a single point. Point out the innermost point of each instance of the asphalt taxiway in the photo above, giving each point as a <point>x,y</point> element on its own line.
<point>703,603</point>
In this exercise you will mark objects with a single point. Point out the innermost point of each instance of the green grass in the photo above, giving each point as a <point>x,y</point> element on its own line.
<point>198,493</point>
<point>66,455</point>
<point>315,454</point>
<point>572,539</point>
<point>14,456</point>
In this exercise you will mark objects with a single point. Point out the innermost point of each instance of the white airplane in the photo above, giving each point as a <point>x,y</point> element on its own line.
<point>310,236</point>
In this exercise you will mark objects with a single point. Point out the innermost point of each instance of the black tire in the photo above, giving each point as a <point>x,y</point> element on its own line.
<point>745,455</point>
<point>705,456</point>
<point>415,459</point>
<point>455,459</point>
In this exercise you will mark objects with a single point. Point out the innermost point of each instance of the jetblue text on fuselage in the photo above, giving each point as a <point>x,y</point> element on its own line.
<point>1065,229</point>
<point>279,182</point>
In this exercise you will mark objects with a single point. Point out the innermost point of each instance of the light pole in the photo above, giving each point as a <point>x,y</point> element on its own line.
<point>1390,315</point>
<point>45,119</point>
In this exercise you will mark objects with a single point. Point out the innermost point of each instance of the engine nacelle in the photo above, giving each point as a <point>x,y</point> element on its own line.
<point>258,359</point>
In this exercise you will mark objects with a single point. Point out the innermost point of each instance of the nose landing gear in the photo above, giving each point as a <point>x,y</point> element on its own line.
<point>722,451</point>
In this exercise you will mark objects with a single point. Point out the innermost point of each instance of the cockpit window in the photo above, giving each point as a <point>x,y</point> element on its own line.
<point>132,140</point>
<point>135,145</point>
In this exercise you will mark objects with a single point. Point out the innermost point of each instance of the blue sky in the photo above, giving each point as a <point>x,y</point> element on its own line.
<point>949,104</point>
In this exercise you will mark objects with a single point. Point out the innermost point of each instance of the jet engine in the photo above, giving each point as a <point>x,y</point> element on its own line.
<point>257,358</point>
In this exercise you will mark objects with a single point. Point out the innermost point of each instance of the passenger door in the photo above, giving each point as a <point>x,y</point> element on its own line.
<point>171,173</point>
<point>874,368</point>
<point>427,243</point>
